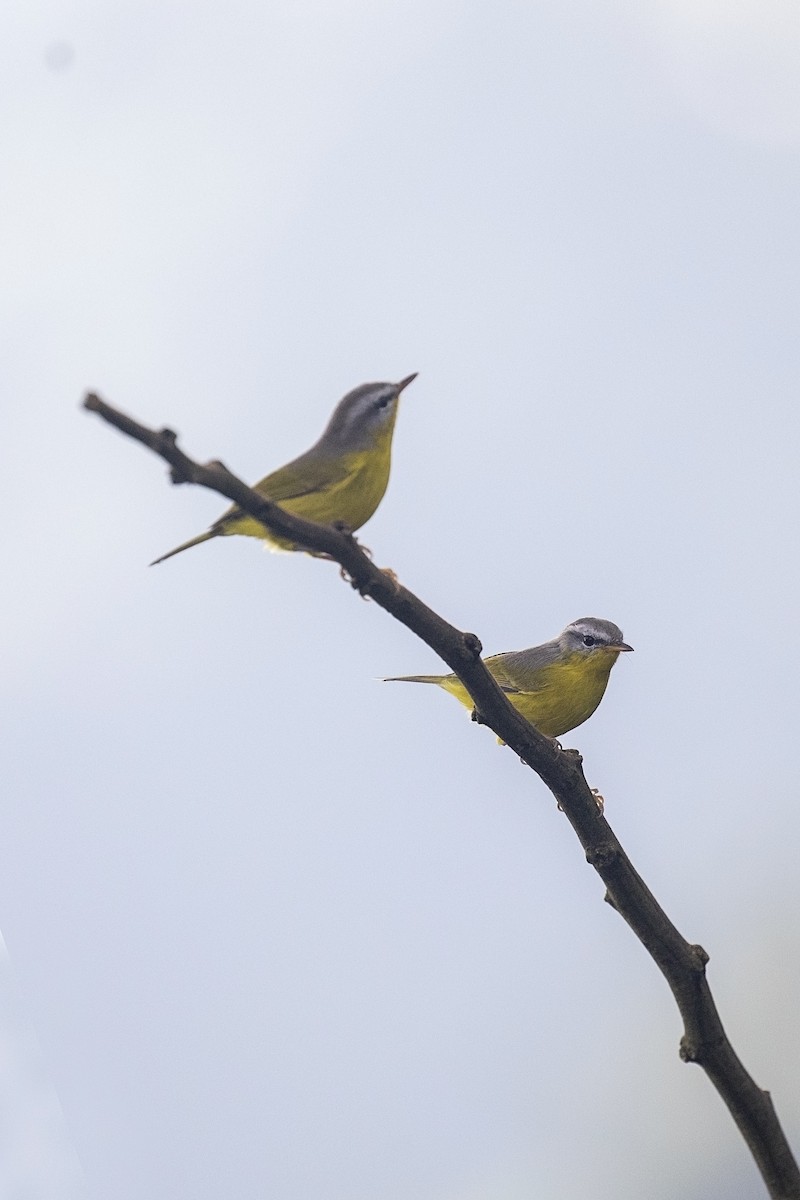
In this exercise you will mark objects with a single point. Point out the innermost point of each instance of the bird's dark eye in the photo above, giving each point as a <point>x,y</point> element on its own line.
<point>588,640</point>
<point>384,402</point>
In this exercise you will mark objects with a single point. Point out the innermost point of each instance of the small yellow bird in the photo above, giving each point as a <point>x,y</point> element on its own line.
<point>556,686</point>
<point>342,477</point>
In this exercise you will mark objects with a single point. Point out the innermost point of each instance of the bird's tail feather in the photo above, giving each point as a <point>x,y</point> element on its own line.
<point>413,679</point>
<point>203,537</point>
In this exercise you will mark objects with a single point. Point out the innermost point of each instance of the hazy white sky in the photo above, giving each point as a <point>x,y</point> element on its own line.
<point>278,930</point>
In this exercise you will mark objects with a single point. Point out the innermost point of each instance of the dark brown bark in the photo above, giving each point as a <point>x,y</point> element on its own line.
<point>683,965</point>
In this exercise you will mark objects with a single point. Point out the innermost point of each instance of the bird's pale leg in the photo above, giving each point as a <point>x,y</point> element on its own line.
<point>387,571</point>
<point>599,801</point>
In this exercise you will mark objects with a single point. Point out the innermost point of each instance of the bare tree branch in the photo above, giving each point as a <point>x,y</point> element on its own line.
<point>683,965</point>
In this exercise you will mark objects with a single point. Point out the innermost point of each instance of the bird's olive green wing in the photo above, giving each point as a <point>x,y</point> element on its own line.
<point>523,670</point>
<point>497,669</point>
<point>307,474</point>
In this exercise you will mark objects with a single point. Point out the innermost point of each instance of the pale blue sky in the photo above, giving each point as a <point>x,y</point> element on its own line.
<point>276,929</point>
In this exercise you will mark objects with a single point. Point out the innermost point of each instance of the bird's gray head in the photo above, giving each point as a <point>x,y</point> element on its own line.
<point>591,635</point>
<point>363,414</point>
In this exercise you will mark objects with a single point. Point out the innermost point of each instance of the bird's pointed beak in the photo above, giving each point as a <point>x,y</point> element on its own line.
<point>620,647</point>
<point>405,382</point>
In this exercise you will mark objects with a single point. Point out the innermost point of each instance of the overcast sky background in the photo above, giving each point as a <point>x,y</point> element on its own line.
<point>273,928</point>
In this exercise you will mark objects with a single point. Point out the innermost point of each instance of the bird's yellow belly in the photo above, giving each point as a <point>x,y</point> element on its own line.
<point>351,500</point>
<point>556,710</point>
<point>566,694</point>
